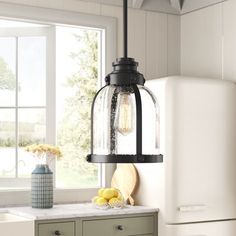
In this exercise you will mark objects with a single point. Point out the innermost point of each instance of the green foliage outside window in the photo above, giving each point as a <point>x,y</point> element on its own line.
<point>74,133</point>
<point>7,82</point>
<point>7,77</point>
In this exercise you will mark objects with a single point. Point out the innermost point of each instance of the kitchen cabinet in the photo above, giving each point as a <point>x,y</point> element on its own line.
<point>119,226</point>
<point>56,228</point>
<point>123,225</point>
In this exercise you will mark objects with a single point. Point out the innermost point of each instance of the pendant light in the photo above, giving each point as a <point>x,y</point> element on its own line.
<point>125,115</point>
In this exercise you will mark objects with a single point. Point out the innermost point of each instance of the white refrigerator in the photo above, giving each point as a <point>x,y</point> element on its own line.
<point>195,186</point>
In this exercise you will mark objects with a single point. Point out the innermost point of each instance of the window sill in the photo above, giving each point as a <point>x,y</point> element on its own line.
<point>21,196</point>
<point>3,190</point>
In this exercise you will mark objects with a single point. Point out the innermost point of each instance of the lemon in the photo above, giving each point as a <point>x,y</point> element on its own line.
<point>116,192</point>
<point>100,192</point>
<point>108,193</point>
<point>120,197</point>
<point>101,201</point>
<point>115,202</point>
<point>95,199</point>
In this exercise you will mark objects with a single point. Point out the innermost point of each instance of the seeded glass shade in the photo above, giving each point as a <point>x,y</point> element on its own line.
<point>125,121</point>
<point>125,115</point>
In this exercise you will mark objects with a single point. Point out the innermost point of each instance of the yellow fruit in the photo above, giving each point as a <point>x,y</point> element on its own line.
<point>115,202</point>
<point>100,192</point>
<point>116,192</point>
<point>108,193</point>
<point>101,201</point>
<point>95,199</point>
<point>121,198</point>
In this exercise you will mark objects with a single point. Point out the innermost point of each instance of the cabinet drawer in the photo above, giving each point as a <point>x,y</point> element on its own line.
<point>53,229</point>
<point>119,226</point>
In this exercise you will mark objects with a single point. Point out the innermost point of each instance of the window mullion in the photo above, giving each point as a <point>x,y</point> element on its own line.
<point>16,110</point>
<point>101,74</point>
<point>51,92</point>
<point>29,107</point>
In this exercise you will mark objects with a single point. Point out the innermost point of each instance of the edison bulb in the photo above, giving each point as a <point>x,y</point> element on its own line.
<point>124,121</point>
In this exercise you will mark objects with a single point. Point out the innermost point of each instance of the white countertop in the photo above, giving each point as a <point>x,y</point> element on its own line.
<point>75,211</point>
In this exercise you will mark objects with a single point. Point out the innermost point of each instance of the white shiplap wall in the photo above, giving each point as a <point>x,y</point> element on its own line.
<point>201,43</point>
<point>229,40</point>
<point>154,38</point>
<point>156,46</point>
<point>208,42</point>
<point>173,54</point>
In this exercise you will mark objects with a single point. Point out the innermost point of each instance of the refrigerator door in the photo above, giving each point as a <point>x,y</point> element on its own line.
<point>198,140</point>
<point>223,228</point>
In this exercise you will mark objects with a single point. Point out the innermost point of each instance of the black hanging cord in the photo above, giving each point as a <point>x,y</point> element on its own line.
<point>125,25</point>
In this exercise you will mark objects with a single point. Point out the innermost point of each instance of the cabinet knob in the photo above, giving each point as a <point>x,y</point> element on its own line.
<point>120,227</point>
<point>57,232</point>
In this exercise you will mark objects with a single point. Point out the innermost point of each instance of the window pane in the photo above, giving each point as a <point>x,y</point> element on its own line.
<point>77,82</point>
<point>26,163</point>
<point>7,143</point>
<point>32,129</point>
<point>32,71</point>
<point>7,71</point>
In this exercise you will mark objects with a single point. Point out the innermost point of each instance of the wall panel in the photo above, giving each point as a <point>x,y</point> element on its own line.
<point>229,40</point>
<point>173,53</point>
<point>201,43</point>
<point>156,45</point>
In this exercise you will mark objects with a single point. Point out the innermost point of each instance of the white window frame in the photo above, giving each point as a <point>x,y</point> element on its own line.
<point>48,33</point>
<point>66,18</point>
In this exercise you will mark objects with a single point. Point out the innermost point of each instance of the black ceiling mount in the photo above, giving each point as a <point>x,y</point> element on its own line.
<point>125,73</point>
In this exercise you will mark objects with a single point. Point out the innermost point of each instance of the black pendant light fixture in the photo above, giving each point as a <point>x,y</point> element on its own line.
<point>125,115</point>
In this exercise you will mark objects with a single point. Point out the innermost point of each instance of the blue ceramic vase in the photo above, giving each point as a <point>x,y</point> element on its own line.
<point>42,187</point>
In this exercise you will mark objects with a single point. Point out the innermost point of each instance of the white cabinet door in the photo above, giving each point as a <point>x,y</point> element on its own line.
<point>223,228</point>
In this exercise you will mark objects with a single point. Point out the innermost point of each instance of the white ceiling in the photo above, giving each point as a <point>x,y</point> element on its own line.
<point>168,6</point>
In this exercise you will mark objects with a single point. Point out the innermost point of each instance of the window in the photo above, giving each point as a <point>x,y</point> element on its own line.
<point>48,77</point>
<point>78,68</point>
<point>22,98</point>
<point>46,20</point>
